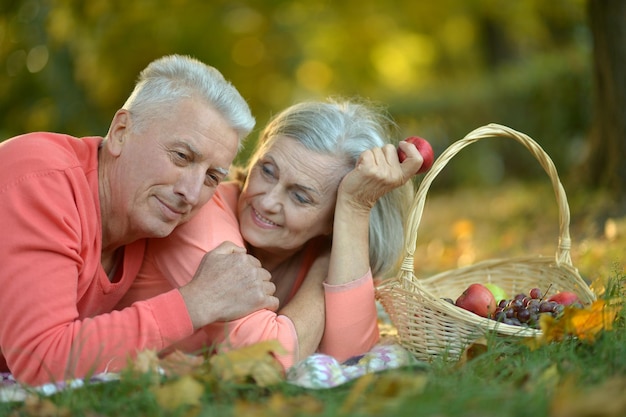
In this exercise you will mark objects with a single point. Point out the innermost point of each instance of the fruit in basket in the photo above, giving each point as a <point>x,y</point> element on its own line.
<point>478,299</point>
<point>498,292</point>
<point>565,298</point>
<point>424,149</point>
<point>526,309</point>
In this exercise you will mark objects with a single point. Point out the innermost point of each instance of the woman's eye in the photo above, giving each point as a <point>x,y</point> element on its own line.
<point>267,170</point>
<point>301,198</point>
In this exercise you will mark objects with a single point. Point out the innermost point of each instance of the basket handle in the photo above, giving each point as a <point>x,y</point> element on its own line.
<point>490,130</point>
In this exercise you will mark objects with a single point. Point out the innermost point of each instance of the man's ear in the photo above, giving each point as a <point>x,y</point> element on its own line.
<point>120,127</point>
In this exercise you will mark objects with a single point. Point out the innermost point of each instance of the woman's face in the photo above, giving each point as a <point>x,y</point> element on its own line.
<point>289,196</point>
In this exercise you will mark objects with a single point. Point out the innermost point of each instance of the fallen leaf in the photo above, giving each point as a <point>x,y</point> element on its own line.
<point>605,400</point>
<point>179,363</point>
<point>279,405</point>
<point>146,362</point>
<point>588,322</point>
<point>476,348</point>
<point>584,323</point>
<point>377,394</point>
<point>36,406</point>
<point>184,391</point>
<point>255,362</point>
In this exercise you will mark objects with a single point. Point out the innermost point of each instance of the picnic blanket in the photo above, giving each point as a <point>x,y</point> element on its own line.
<point>318,371</point>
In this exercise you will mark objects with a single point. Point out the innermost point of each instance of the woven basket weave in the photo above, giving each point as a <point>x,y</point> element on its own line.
<point>429,326</point>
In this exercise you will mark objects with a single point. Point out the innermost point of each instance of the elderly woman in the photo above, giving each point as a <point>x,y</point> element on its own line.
<point>322,206</point>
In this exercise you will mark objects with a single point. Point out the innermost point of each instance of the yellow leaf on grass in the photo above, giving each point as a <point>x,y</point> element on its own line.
<point>180,363</point>
<point>584,323</point>
<point>375,394</point>
<point>255,362</point>
<point>184,391</point>
<point>42,407</point>
<point>587,323</point>
<point>279,405</point>
<point>606,400</point>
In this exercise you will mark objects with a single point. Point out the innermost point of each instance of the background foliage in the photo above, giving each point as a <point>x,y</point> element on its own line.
<point>441,68</point>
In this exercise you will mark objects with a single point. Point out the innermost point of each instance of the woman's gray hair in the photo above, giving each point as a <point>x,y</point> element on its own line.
<point>169,79</point>
<point>346,128</point>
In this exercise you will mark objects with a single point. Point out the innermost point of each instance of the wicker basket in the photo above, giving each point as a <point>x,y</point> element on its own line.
<point>429,326</point>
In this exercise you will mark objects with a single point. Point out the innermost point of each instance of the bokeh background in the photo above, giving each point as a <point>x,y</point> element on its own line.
<point>442,68</point>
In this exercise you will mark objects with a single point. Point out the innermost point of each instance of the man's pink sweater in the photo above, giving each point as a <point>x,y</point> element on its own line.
<point>57,319</point>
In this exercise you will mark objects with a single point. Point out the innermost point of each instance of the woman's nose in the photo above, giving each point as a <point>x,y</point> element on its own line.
<point>271,200</point>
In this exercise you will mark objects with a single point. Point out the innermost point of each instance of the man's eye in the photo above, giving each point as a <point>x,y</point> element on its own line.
<point>212,180</point>
<point>180,156</point>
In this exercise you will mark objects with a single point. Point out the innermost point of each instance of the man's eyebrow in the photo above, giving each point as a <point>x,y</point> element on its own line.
<point>221,170</point>
<point>196,153</point>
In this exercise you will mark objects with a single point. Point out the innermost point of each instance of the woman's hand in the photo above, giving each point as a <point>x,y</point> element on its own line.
<point>377,172</point>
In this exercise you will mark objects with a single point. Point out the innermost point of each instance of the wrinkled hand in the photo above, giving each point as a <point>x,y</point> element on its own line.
<point>377,172</point>
<point>228,285</point>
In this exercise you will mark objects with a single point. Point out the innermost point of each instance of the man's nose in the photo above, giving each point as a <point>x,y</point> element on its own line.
<point>189,186</point>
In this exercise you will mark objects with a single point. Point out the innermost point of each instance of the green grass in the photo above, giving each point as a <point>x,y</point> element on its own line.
<point>507,379</point>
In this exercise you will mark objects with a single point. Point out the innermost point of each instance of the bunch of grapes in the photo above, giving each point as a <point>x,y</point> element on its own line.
<point>525,309</point>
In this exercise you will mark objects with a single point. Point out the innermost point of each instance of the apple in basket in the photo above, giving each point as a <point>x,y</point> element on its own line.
<point>565,298</point>
<point>498,292</point>
<point>424,149</point>
<point>478,299</point>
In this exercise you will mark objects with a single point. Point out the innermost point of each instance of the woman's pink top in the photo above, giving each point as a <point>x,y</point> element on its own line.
<point>351,316</point>
<point>57,319</point>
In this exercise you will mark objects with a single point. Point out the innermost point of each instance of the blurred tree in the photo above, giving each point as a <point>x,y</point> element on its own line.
<point>442,68</point>
<point>605,164</point>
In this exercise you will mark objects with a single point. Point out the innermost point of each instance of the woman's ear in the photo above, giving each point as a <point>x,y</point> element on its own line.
<point>120,126</point>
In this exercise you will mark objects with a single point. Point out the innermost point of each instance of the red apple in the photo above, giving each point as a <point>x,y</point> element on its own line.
<point>424,149</point>
<point>478,299</point>
<point>565,298</point>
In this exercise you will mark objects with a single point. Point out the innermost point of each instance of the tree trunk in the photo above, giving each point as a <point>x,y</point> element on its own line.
<point>605,166</point>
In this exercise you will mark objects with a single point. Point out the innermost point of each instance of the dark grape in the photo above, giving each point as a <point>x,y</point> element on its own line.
<point>525,310</point>
<point>500,316</point>
<point>546,307</point>
<point>523,315</point>
<point>513,322</point>
<point>535,293</point>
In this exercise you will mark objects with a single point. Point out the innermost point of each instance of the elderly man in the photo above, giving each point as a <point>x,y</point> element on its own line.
<point>75,213</point>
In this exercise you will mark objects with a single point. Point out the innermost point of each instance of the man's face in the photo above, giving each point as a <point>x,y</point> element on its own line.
<point>165,172</point>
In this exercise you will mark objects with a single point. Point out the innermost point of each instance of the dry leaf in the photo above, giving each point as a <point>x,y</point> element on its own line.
<point>606,400</point>
<point>255,362</point>
<point>36,406</point>
<point>476,348</point>
<point>146,362</point>
<point>377,393</point>
<point>184,391</point>
<point>179,363</point>
<point>548,379</point>
<point>279,405</point>
<point>584,323</point>
<point>587,323</point>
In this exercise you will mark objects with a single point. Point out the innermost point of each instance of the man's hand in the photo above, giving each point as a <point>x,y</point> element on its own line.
<point>228,285</point>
